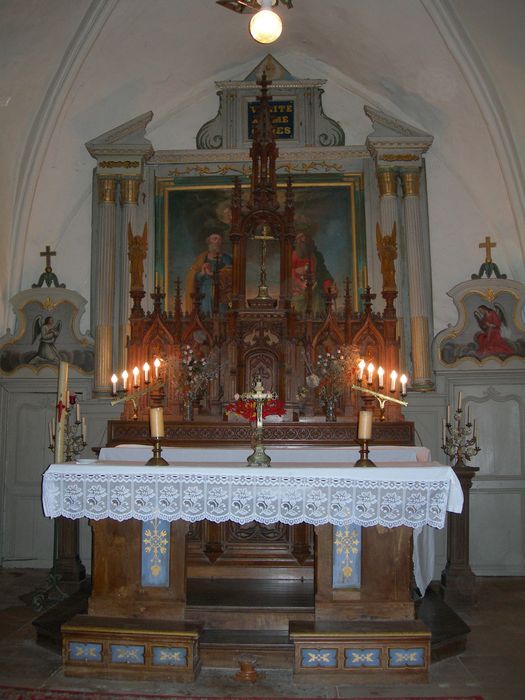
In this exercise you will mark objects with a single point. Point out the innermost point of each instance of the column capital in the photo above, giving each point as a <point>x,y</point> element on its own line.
<point>387,181</point>
<point>129,190</point>
<point>107,187</point>
<point>410,181</point>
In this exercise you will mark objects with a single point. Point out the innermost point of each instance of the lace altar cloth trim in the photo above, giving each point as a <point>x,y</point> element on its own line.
<point>389,496</point>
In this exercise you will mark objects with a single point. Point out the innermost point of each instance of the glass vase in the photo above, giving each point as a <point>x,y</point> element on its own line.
<point>330,410</point>
<point>187,413</point>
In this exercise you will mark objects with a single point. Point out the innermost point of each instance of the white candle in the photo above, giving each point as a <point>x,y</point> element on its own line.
<point>361,367</point>
<point>125,376</point>
<point>370,370</point>
<point>54,425</point>
<point>448,414</point>
<point>84,428</point>
<point>77,409</point>
<point>380,377</point>
<point>364,431</point>
<point>403,380</point>
<point>460,398</point>
<point>50,426</point>
<point>63,371</point>
<point>468,414</point>
<point>145,367</point>
<point>114,380</point>
<point>135,376</point>
<point>444,432</point>
<point>156,364</point>
<point>156,421</point>
<point>393,377</point>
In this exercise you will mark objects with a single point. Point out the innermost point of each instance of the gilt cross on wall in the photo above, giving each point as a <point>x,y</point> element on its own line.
<point>47,253</point>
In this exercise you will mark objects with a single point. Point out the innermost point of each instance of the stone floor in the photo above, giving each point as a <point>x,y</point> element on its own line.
<point>493,665</point>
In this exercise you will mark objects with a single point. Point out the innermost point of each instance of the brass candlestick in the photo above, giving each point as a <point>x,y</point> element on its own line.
<point>363,460</point>
<point>156,460</point>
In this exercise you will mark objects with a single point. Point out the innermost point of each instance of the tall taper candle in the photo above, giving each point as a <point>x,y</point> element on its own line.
<point>156,421</point>
<point>364,431</point>
<point>63,370</point>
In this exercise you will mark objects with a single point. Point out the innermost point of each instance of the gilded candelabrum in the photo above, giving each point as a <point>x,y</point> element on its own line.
<point>75,432</point>
<point>125,395</point>
<point>459,439</point>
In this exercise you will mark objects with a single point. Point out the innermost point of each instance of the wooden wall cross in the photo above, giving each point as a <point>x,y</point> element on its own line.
<point>48,253</point>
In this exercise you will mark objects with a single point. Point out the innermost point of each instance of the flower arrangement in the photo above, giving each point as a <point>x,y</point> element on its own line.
<point>331,372</point>
<point>246,408</point>
<point>194,374</point>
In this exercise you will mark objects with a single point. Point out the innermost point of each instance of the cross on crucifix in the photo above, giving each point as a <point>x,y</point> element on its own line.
<point>47,253</point>
<point>487,245</point>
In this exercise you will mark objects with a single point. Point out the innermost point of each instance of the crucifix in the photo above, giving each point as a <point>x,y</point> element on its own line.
<point>259,396</point>
<point>487,245</point>
<point>47,253</point>
<point>264,237</point>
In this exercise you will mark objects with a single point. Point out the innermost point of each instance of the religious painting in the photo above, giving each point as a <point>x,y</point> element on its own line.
<point>490,327</point>
<point>193,247</point>
<point>46,333</point>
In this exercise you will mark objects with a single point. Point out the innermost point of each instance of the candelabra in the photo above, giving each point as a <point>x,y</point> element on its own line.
<point>125,395</point>
<point>381,398</point>
<point>459,439</point>
<point>75,432</point>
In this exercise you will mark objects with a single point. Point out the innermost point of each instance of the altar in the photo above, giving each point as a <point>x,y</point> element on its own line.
<point>147,619</point>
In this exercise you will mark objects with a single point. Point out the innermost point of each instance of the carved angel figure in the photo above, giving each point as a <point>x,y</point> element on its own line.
<point>137,251</point>
<point>387,251</point>
<point>47,331</point>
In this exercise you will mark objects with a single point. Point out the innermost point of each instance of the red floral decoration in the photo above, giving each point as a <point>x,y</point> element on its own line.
<point>246,409</point>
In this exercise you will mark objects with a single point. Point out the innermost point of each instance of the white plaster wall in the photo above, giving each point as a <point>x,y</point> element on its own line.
<point>163,57</point>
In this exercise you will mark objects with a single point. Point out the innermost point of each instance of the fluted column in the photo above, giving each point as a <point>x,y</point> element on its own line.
<point>129,197</point>
<point>105,289</point>
<point>420,308</point>
<point>388,216</point>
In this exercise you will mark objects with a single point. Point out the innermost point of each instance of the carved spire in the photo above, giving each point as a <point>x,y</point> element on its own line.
<point>263,153</point>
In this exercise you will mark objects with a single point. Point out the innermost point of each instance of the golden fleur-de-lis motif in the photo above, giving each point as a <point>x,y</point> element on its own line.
<point>347,543</point>
<point>170,655</point>
<point>156,543</point>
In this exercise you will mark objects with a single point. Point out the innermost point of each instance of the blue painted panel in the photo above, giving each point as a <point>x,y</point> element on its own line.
<point>400,658</point>
<point>127,654</point>
<point>357,658</point>
<point>346,556</point>
<point>155,569</point>
<point>170,656</point>
<point>80,651</point>
<point>314,658</point>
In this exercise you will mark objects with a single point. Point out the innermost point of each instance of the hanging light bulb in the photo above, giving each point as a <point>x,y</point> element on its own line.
<point>266,25</point>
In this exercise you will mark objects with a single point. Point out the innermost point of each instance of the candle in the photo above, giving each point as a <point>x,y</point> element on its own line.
<point>364,431</point>
<point>448,414</point>
<point>403,380</point>
<point>135,376</point>
<point>393,377</point>
<point>84,428</point>
<point>63,371</point>
<point>114,380</point>
<point>156,422</point>
<point>145,367</point>
<point>468,414</point>
<point>156,364</point>
<point>67,398</point>
<point>460,398</point>
<point>54,425</point>
<point>444,432</point>
<point>370,370</point>
<point>77,409</point>
<point>125,376</point>
<point>156,280</point>
<point>361,365</point>
<point>50,426</point>
<point>380,377</point>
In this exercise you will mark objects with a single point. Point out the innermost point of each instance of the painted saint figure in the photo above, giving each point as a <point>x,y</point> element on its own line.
<point>308,265</point>
<point>48,332</point>
<point>211,267</point>
<point>489,340</point>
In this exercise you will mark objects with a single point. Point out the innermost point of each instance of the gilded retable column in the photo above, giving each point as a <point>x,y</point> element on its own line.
<point>105,289</point>
<point>129,197</point>
<point>420,308</point>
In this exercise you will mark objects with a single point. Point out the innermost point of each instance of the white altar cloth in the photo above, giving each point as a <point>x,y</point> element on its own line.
<point>390,495</point>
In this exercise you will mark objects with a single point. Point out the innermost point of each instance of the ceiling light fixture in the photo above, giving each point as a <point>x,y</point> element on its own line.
<point>266,26</point>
